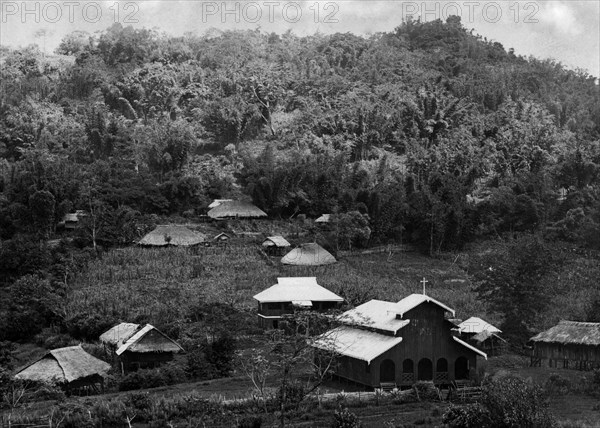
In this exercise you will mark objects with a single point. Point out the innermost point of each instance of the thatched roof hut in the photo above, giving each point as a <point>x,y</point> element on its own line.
<point>236,209</point>
<point>172,235</point>
<point>65,365</point>
<point>571,332</point>
<point>119,334</point>
<point>218,202</point>
<point>138,347</point>
<point>276,241</point>
<point>311,254</point>
<point>149,339</point>
<point>569,344</point>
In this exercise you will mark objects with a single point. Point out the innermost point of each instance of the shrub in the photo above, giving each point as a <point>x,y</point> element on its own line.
<point>343,418</point>
<point>557,385</point>
<point>426,391</point>
<point>471,416</point>
<point>89,326</point>
<point>250,422</point>
<point>152,378</point>
<point>517,404</point>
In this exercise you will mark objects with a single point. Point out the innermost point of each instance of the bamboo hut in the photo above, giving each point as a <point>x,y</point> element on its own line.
<point>70,367</point>
<point>171,234</point>
<point>311,254</point>
<point>275,245</point>
<point>569,344</point>
<point>236,209</point>
<point>139,347</point>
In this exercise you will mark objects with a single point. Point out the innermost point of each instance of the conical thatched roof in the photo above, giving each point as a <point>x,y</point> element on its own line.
<point>233,209</point>
<point>308,255</point>
<point>172,235</point>
<point>149,339</point>
<point>64,365</point>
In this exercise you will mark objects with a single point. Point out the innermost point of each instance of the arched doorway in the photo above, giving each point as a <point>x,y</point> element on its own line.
<point>442,365</point>
<point>387,371</point>
<point>441,371</point>
<point>425,369</point>
<point>408,372</point>
<point>461,368</point>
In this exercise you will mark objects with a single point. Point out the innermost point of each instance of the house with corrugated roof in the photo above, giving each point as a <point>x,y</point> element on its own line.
<point>134,346</point>
<point>483,335</point>
<point>291,294</point>
<point>395,344</point>
<point>70,367</point>
<point>275,245</point>
<point>569,344</point>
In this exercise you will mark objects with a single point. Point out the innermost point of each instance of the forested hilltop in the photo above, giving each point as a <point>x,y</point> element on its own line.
<point>437,134</point>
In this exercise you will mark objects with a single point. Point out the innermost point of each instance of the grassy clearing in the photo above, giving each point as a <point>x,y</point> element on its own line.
<point>160,284</point>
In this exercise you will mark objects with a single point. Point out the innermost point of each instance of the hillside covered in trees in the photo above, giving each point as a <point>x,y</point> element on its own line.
<point>427,135</point>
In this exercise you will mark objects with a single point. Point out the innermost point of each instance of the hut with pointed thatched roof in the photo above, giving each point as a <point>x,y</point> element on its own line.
<point>236,209</point>
<point>275,245</point>
<point>172,234</point>
<point>569,344</point>
<point>70,367</point>
<point>311,254</point>
<point>137,347</point>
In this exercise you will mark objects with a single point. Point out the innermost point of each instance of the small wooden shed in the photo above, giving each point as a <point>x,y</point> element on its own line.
<point>483,335</point>
<point>138,347</point>
<point>569,344</point>
<point>276,245</point>
<point>71,367</point>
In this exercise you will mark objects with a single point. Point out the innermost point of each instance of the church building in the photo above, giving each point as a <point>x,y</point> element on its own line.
<point>385,343</point>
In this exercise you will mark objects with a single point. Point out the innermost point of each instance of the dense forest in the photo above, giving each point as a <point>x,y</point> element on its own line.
<point>429,135</point>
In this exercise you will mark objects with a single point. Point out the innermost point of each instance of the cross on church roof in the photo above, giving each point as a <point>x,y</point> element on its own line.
<point>424,281</point>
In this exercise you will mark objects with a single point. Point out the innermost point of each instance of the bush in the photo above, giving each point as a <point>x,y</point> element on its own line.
<point>151,378</point>
<point>250,422</point>
<point>471,416</point>
<point>88,326</point>
<point>557,385</point>
<point>342,418</point>
<point>517,404</point>
<point>426,391</point>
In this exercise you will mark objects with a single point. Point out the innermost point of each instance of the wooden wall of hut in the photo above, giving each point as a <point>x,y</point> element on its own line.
<point>582,357</point>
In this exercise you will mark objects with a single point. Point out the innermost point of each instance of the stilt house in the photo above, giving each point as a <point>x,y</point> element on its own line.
<point>569,344</point>
<point>291,294</point>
